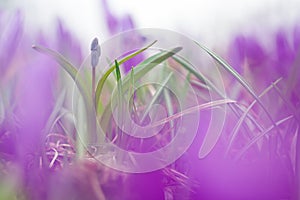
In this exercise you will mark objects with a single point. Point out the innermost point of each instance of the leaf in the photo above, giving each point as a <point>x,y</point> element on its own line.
<point>55,112</point>
<point>240,79</point>
<point>187,65</point>
<point>244,115</point>
<point>118,73</point>
<point>140,70</point>
<point>258,137</point>
<point>112,68</point>
<point>85,92</point>
<point>194,109</point>
<point>68,67</point>
<point>155,97</point>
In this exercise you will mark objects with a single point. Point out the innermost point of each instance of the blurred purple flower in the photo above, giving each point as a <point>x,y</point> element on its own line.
<point>261,64</point>
<point>29,99</point>
<point>296,39</point>
<point>68,45</point>
<point>10,37</point>
<point>245,50</point>
<point>117,25</point>
<point>285,55</point>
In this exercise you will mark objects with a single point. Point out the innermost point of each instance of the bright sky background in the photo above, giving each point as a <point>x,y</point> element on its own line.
<point>205,20</point>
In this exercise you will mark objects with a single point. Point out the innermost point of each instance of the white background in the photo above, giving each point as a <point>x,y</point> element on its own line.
<point>209,21</point>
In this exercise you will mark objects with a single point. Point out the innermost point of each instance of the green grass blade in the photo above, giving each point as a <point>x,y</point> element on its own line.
<point>187,65</point>
<point>67,66</point>
<point>147,65</point>
<point>120,99</point>
<point>239,78</point>
<point>84,90</point>
<point>118,73</point>
<point>112,68</point>
<point>131,87</point>
<point>155,97</point>
<point>140,70</point>
<point>136,53</point>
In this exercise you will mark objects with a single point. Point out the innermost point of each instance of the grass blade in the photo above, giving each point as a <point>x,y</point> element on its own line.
<point>239,78</point>
<point>67,66</point>
<point>112,68</point>
<point>140,70</point>
<point>85,92</point>
<point>262,134</point>
<point>194,109</point>
<point>241,120</point>
<point>155,97</point>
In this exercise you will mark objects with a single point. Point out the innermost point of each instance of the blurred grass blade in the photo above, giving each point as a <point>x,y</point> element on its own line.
<point>131,87</point>
<point>244,115</point>
<point>131,95</point>
<point>155,97</point>
<point>85,92</point>
<point>194,109</point>
<point>67,66</point>
<point>55,112</point>
<point>112,68</point>
<point>239,78</point>
<point>187,65</point>
<point>262,134</point>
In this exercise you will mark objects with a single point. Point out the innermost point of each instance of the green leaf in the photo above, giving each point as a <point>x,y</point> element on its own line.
<point>187,65</point>
<point>140,70</point>
<point>240,79</point>
<point>112,68</point>
<point>68,67</point>
<point>118,73</point>
<point>85,92</point>
<point>155,97</point>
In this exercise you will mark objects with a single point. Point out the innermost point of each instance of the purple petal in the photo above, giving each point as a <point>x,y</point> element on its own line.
<point>237,53</point>
<point>68,45</point>
<point>10,37</point>
<point>254,52</point>
<point>285,55</point>
<point>111,20</point>
<point>297,38</point>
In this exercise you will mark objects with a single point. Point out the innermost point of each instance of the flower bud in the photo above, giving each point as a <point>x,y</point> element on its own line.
<point>95,52</point>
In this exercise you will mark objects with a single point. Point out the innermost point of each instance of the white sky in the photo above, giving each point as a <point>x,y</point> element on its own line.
<point>210,20</point>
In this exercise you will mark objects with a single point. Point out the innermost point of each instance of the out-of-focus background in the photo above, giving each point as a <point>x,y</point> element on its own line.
<point>210,21</point>
<point>42,155</point>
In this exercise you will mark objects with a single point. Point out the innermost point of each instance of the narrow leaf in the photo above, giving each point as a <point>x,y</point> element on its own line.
<point>140,70</point>
<point>112,68</point>
<point>67,66</point>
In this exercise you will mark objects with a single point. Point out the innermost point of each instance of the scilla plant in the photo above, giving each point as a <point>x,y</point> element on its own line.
<point>175,106</point>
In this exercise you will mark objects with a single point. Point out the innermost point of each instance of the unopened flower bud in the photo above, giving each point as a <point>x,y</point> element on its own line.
<point>95,52</point>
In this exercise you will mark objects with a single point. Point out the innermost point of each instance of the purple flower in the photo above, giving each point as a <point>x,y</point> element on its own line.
<point>68,45</point>
<point>116,25</point>
<point>10,37</point>
<point>285,55</point>
<point>246,51</point>
<point>28,100</point>
<point>296,39</point>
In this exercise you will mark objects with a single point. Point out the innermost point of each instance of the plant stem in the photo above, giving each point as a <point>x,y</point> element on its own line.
<point>94,85</point>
